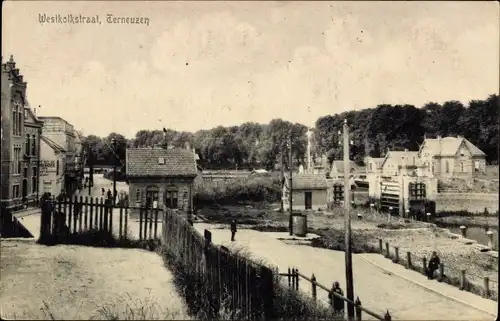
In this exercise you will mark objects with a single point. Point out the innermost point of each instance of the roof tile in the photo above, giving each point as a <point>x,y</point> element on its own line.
<point>144,162</point>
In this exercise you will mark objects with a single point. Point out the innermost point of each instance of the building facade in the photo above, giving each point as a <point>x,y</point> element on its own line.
<point>63,134</point>
<point>161,176</point>
<point>397,162</point>
<point>309,192</point>
<point>337,170</point>
<point>51,167</point>
<point>452,157</point>
<point>21,131</point>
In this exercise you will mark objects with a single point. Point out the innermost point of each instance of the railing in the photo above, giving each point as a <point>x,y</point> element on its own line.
<point>294,276</point>
<point>448,274</point>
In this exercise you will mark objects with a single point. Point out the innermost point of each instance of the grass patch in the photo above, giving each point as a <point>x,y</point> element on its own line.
<point>124,308</point>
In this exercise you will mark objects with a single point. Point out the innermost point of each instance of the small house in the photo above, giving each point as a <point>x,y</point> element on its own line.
<point>159,175</point>
<point>452,157</point>
<point>373,165</point>
<point>309,192</point>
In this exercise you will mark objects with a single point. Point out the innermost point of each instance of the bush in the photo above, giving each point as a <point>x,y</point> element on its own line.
<point>261,188</point>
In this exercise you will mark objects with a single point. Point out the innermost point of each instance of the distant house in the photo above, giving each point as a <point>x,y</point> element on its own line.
<point>161,176</point>
<point>397,161</point>
<point>373,165</point>
<point>337,169</point>
<point>52,163</point>
<point>309,191</point>
<point>452,157</point>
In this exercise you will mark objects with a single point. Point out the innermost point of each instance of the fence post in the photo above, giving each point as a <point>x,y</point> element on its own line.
<point>358,309</point>
<point>381,246</point>
<point>463,229</point>
<point>387,316</point>
<point>289,275</point>
<point>424,264</point>
<point>486,287</point>
<point>463,280</point>
<point>441,272</point>
<point>313,285</point>
<point>387,253</point>
<point>408,258</point>
<point>296,279</point>
<point>396,254</point>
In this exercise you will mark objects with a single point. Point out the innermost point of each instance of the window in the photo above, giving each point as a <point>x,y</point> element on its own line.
<point>17,160</point>
<point>371,166</point>
<point>14,120</point>
<point>151,196</point>
<point>138,195</point>
<point>33,180</point>
<point>15,191</point>
<point>57,167</point>
<point>27,147</point>
<point>462,167</point>
<point>171,198</point>
<point>33,145</point>
<point>25,172</point>
<point>476,166</point>
<point>447,167</point>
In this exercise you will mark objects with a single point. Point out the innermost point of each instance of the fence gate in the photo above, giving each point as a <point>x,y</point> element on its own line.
<point>389,194</point>
<point>62,218</point>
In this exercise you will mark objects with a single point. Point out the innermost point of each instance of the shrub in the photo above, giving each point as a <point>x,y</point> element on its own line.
<point>260,188</point>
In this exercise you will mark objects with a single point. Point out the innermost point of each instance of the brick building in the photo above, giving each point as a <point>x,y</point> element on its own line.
<point>21,131</point>
<point>159,175</point>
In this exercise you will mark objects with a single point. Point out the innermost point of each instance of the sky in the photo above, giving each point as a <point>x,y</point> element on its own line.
<point>198,65</point>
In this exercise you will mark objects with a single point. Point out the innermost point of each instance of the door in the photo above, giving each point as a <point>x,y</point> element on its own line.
<point>25,189</point>
<point>308,200</point>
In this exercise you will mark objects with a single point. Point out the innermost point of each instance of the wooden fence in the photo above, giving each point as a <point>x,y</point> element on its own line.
<point>64,217</point>
<point>294,276</point>
<point>232,283</point>
<point>448,274</point>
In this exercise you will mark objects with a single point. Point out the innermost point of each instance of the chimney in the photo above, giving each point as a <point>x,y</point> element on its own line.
<point>439,137</point>
<point>459,137</point>
<point>406,149</point>
<point>187,146</point>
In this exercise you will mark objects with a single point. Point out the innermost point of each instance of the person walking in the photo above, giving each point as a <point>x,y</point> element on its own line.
<point>434,263</point>
<point>109,195</point>
<point>233,230</point>
<point>103,191</point>
<point>336,301</point>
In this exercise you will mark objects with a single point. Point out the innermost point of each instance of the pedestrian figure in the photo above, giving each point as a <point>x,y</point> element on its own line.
<point>109,194</point>
<point>233,230</point>
<point>433,265</point>
<point>103,191</point>
<point>335,301</point>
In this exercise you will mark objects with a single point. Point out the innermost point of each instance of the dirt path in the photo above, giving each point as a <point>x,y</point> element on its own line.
<point>85,282</point>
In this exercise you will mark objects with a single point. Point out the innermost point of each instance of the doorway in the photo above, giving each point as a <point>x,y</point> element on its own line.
<point>308,200</point>
<point>25,189</point>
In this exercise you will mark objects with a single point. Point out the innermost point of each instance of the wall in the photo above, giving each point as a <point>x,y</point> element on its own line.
<point>470,202</point>
<point>319,200</point>
<point>182,185</point>
<point>48,174</point>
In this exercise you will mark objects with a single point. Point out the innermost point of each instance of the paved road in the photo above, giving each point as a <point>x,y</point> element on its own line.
<point>378,290</point>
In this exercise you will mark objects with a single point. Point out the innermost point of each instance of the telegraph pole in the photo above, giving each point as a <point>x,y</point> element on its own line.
<point>347,222</point>
<point>91,169</point>
<point>290,189</point>
<point>113,142</point>
<point>282,176</point>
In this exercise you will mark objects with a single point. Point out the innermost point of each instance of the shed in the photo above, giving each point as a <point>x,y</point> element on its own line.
<point>309,191</point>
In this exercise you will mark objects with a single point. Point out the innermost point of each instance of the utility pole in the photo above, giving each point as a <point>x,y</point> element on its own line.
<point>347,222</point>
<point>282,177</point>
<point>290,189</point>
<point>91,169</point>
<point>113,142</point>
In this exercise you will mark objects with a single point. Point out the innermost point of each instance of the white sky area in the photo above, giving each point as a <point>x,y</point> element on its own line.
<point>248,61</point>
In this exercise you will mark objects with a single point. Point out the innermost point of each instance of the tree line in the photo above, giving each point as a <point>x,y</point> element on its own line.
<point>374,131</point>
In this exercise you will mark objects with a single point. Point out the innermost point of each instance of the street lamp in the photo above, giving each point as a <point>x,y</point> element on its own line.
<point>113,143</point>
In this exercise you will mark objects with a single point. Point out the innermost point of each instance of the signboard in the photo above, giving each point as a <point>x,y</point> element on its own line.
<point>46,166</point>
